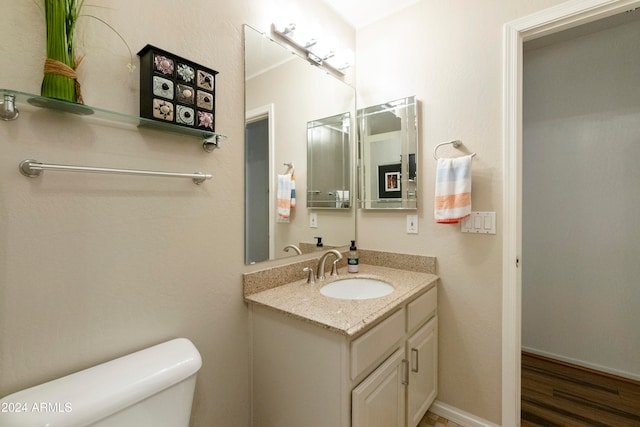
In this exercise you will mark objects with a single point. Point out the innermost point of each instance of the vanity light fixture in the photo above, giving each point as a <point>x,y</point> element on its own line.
<point>310,46</point>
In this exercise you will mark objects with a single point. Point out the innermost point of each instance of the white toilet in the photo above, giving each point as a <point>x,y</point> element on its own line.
<point>150,388</point>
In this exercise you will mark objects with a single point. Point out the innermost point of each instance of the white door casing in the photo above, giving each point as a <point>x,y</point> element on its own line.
<point>548,21</point>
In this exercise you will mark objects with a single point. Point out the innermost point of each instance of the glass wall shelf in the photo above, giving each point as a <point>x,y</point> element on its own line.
<point>11,99</point>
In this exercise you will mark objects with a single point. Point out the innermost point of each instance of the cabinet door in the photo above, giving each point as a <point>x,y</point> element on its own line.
<point>422,352</point>
<point>379,400</point>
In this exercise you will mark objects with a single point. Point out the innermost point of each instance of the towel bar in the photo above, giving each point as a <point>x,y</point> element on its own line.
<point>33,168</point>
<point>290,167</point>
<point>456,144</point>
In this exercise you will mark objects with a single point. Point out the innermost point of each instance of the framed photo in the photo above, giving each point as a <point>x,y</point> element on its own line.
<point>389,181</point>
<point>412,166</point>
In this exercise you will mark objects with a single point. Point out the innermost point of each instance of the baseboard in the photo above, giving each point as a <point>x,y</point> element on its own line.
<point>459,416</point>
<point>582,363</point>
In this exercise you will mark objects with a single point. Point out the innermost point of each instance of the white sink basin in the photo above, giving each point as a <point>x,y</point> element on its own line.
<point>356,288</point>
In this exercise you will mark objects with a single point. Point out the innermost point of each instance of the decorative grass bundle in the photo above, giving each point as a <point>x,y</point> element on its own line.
<point>60,78</point>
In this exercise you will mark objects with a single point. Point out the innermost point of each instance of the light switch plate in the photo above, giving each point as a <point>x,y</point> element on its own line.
<point>412,224</point>
<point>313,220</point>
<point>479,223</point>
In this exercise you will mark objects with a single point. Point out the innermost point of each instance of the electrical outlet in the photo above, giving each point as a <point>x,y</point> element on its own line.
<point>412,224</point>
<point>313,220</point>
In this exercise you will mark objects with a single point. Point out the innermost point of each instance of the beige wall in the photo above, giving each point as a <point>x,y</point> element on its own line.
<point>449,54</point>
<point>92,267</point>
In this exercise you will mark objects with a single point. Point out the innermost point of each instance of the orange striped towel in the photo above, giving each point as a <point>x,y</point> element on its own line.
<point>293,191</point>
<point>453,190</point>
<point>283,198</point>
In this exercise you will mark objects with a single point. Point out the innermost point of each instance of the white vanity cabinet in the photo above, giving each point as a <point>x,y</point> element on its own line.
<point>304,374</point>
<point>422,353</point>
<point>379,401</point>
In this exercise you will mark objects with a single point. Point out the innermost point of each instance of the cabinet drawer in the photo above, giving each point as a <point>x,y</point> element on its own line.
<point>422,309</point>
<point>373,346</point>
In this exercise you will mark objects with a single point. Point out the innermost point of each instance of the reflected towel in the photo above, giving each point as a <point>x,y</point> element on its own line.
<point>283,198</point>
<point>293,191</point>
<point>453,190</point>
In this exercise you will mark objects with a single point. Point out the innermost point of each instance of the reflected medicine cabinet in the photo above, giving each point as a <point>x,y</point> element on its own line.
<point>388,155</point>
<point>329,162</point>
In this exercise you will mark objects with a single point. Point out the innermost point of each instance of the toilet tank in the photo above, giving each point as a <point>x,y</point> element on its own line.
<point>152,387</point>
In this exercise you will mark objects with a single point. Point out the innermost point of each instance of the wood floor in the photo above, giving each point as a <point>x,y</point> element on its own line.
<point>558,394</point>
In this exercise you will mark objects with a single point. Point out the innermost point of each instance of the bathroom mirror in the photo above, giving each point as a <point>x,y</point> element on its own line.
<point>329,162</point>
<point>283,94</point>
<point>388,155</point>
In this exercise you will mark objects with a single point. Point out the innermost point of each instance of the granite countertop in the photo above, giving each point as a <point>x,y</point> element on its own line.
<point>348,317</point>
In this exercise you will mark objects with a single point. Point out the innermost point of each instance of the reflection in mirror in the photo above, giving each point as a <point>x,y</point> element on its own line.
<point>388,155</point>
<point>329,162</point>
<point>283,93</point>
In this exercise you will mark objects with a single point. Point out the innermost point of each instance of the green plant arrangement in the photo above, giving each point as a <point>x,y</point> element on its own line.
<point>60,79</point>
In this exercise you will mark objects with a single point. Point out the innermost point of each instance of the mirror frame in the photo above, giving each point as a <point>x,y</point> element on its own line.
<point>328,181</point>
<point>395,130</point>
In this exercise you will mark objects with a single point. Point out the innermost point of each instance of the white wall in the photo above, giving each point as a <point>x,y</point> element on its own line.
<point>93,266</point>
<point>581,199</point>
<point>449,54</point>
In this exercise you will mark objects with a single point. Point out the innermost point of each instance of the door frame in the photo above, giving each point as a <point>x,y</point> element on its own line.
<point>258,113</point>
<point>563,16</point>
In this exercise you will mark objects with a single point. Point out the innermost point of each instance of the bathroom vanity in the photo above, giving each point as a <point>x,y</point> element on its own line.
<point>320,361</point>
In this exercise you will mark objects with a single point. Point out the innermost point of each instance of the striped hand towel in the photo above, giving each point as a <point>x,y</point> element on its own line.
<point>283,198</point>
<point>453,190</point>
<point>293,191</point>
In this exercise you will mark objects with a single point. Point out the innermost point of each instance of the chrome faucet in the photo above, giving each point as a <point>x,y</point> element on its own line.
<point>334,269</point>
<point>294,247</point>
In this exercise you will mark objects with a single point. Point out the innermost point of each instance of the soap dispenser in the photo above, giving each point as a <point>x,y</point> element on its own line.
<point>319,245</point>
<point>352,260</point>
